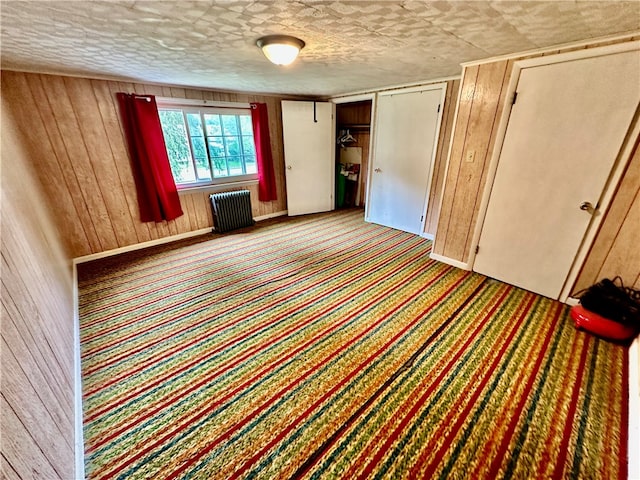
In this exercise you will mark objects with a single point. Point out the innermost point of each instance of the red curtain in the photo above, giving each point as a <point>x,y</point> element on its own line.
<point>157,193</point>
<point>266,176</point>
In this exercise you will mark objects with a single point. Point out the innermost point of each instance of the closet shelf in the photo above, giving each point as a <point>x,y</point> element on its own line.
<point>354,126</point>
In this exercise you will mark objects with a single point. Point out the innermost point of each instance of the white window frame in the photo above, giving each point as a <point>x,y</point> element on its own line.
<point>190,106</point>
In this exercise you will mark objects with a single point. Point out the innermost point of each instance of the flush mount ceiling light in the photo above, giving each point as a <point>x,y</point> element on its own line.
<point>280,49</point>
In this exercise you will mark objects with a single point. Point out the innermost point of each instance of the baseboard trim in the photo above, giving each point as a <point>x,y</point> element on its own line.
<point>449,261</point>
<point>634,411</point>
<point>571,301</point>
<point>428,236</point>
<point>271,215</point>
<point>139,246</point>
<point>77,382</point>
<point>162,241</point>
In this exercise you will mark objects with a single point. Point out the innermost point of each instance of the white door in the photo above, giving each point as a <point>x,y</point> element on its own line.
<point>565,131</point>
<point>309,154</point>
<point>406,130</point>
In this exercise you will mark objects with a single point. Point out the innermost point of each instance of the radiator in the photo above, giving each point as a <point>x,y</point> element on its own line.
<point>231,210</point>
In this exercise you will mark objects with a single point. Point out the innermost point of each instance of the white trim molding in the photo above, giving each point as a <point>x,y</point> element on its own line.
<point>77,381</point>
<point>417,88</point>
<point>140,246</point>
<point>162,241</point>
<point>335,98</point>
<point>572,301</point>
<point>353,98</point>
<point>271,215</point>
<point>361,98</point>
<point>561,46</point>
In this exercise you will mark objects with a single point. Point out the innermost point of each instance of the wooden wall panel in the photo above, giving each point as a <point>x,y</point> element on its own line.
<point>42,139</point>
<point>478,115</point>
<point>463,187</point>
<point>72,130</point>
<point>96,142</point>
<point>75,139</point>
<point>37,352</point>
<point>440,162</point>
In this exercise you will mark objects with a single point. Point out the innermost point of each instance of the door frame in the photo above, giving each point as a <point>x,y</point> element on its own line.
<point>359,98</point>
<point>442,86</point>
<point>620,163</point>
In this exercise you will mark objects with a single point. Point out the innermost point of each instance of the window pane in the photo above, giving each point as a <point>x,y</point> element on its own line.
<point>199,148</point>
<point>216,147</point>
<point>248,145</point>
<point>175,138</point>
<point>183,172</point>
<point>229,124</point>
<point>202,163</point>
<point>212,122</point>
<point>195,124</point>
<point>222,144</point>
<point>245,124</point>
<point>233,146</point>
<point>250,164</point>
<point>219,167</point>
<point>235,165</point>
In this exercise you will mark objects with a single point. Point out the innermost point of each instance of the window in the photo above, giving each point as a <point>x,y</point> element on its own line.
<point>208,145</point>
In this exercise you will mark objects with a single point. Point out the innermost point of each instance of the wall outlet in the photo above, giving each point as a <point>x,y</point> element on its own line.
<point>471,155</point>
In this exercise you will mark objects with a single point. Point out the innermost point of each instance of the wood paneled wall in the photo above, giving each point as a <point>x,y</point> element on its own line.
<point>440,161</point>
<point>72,131</point>
<point>37,411</point>
<point>480,106</point>
<point>479,109</point>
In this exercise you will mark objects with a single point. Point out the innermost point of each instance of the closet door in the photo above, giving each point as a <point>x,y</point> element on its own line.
<point>406,133</point>
<point>309,155</point>
<point>564,134</point>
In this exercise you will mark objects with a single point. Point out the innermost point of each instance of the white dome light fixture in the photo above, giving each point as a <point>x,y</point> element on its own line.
<point>280,49</point>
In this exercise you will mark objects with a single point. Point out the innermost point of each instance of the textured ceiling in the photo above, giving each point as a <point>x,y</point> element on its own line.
<point>351,45</point>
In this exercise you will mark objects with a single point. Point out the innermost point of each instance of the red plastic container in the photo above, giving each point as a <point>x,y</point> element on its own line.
<point>601,326</point>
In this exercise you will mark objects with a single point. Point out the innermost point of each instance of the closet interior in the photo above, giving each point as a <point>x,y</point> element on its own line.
<point>353,130</point>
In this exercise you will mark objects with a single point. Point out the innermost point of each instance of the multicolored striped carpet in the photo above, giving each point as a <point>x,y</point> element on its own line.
<point>325,347</point>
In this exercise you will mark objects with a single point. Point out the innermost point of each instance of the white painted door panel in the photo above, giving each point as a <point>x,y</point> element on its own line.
<point>405,139</point>
<point>564,134</point>
<point>309,155</point>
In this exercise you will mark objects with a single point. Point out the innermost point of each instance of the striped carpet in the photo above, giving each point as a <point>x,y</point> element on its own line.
<point>326,347</point>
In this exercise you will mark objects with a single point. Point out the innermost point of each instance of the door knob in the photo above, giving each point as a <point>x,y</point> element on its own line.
<point>587,207</point>
<point>288,167</point>
<point>377,170</point>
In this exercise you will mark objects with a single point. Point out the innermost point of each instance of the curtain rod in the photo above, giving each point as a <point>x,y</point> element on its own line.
<point>209,103</point>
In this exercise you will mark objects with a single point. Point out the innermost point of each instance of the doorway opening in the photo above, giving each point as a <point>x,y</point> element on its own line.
<point>353,133</point>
